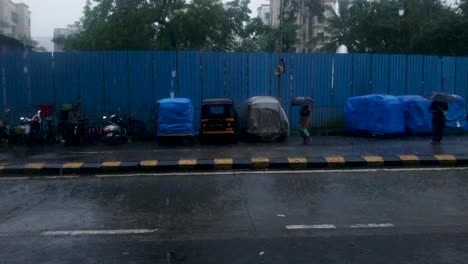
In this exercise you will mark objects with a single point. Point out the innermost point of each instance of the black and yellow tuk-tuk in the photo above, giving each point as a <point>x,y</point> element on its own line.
<point>218,120</point>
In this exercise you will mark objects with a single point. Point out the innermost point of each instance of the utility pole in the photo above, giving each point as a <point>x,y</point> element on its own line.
<point>174,45</point>
<point>280,67</point>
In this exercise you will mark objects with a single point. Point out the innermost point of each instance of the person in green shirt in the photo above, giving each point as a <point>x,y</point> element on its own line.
<point>304,122</point>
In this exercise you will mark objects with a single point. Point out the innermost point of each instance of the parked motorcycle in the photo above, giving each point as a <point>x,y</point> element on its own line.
<point>72,128</point>
<point>93,134</point>
<point>50,130</point>
<point>74,132</point>
<point>114,130</point>
<point>135,128</point>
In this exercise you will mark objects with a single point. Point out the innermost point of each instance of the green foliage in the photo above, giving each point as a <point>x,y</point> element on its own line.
<point>190,25</point>
<point>150,24</point>
<point>261,37</point>
<point>426,27</point>
<point>463,6</point>
<point>206,25</point>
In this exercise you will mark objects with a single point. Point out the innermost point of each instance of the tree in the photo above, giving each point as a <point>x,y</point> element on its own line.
<point>463,6</point>
<point>150,24</point>
<point>207,25</point>
<point>255,37</point>
<point>264,38</point>
<point>425,27</point>
<point>115,24</point>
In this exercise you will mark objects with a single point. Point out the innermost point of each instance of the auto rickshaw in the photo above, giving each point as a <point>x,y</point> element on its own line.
<point>264,119</point>
<point>174,121</point>
<point>218,120</point>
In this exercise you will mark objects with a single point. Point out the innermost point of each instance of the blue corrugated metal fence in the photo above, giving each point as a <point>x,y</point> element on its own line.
<point>132,81</point>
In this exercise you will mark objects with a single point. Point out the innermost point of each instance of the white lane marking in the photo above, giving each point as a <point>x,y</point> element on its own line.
<point>256,172</point>
<point>281,215</point>
<point>171,150</point>
<point>98,232</point>
<point>93,152</point>
<point>296,227</point>
<point>372,225</point>
<point>328,226</point>
<point>278,172</point>
<point>54,177</point>
<point>166,174</point>
<point>14,178</point>
<point>120,175</point>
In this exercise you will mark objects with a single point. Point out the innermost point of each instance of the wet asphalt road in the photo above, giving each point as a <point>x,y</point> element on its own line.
<point>352,217</point>
<point>292,147</point>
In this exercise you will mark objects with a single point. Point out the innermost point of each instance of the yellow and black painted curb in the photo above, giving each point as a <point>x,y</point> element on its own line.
<point>257,163</point>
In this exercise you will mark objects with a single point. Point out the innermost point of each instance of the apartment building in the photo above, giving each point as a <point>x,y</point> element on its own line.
<point>15,20</point>
<point>64,32</point>
<point>264,13</point>
<point>310,27</point>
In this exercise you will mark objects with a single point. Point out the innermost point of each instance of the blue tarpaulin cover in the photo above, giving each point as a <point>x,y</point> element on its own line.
<point>456,116</point>
<point>174,117</point>
<point>375,114</point>
<point>417,115</point>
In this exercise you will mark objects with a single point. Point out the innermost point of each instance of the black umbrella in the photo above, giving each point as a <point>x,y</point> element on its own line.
<point>441,97</point>
<point>300,101</point>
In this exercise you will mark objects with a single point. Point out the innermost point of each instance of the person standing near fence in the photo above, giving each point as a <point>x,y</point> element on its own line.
<point>439,111</point>
<point>304,121</point>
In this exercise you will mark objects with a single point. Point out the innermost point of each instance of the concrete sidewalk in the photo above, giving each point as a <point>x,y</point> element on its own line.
<point>323,152</point>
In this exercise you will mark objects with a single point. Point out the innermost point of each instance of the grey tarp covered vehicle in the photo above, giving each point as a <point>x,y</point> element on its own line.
<point>263,118</point>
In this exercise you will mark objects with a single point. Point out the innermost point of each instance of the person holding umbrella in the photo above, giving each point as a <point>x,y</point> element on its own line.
<point>439,109</point>
<point>304,119</point>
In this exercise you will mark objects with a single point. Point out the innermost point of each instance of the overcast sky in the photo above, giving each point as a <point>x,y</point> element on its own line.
<point>49,14</point>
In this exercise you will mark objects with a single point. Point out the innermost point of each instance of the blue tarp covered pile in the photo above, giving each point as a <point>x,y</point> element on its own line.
<point>174,117</point>
<point>418,119</point>
<point>374,114</point>
<point>456,116</point>
<point>385,114</point>
<point>417,115</point>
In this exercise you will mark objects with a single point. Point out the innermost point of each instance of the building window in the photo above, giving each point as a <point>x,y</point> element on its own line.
<point>14,17</point>
<point>267,16</point>
<point>311,27</point>
<point>321,19</point>
<point>4,24</point>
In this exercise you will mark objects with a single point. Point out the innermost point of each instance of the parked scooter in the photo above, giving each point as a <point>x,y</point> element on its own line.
<point>114,130</point>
